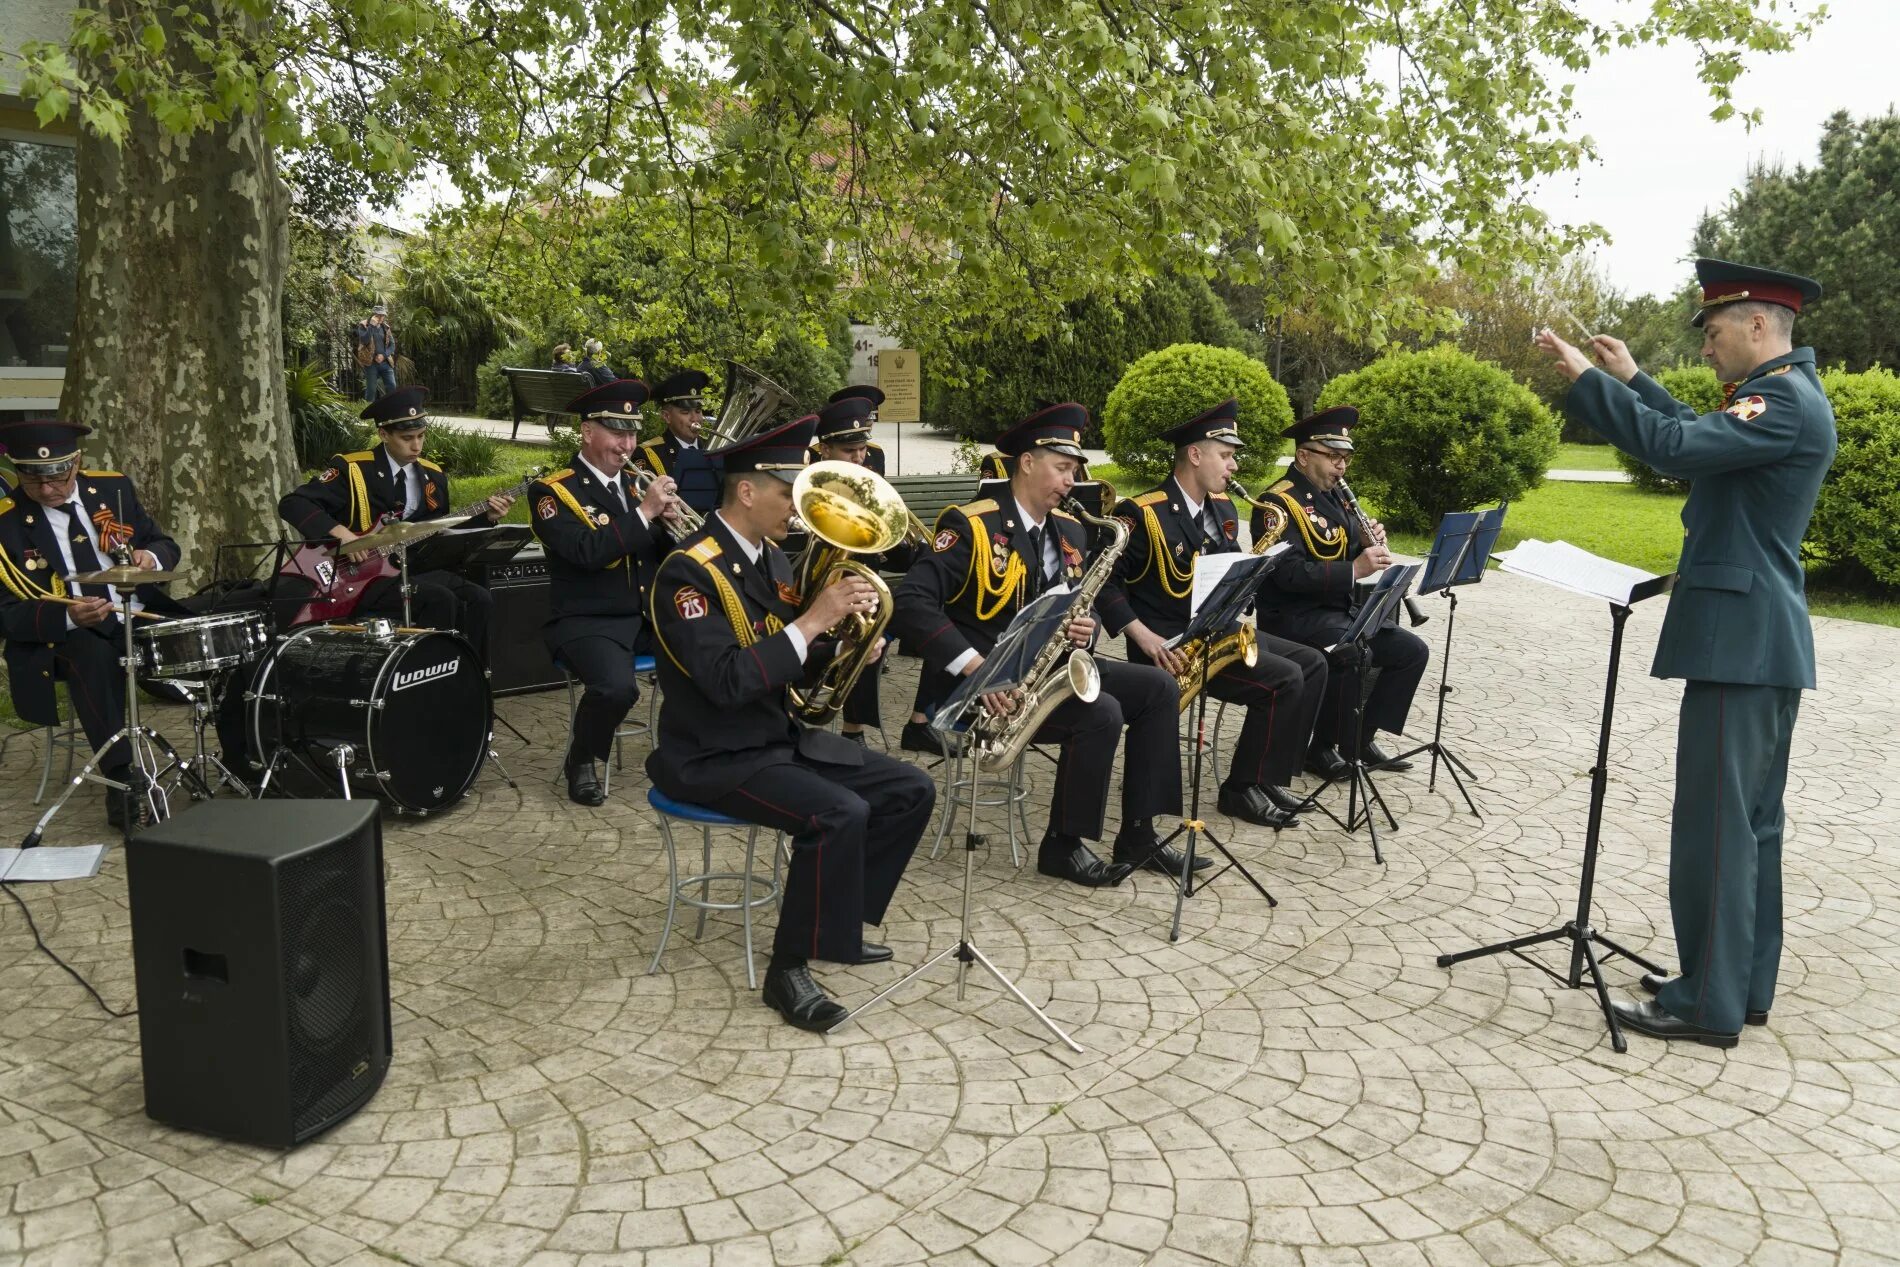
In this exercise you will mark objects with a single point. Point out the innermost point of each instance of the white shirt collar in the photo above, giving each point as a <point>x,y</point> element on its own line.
<point>605,479</point>
<point>1029,520</point>
<point>752,552</point>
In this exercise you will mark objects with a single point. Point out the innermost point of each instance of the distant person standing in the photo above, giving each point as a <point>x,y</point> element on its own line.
<point>376,353</point>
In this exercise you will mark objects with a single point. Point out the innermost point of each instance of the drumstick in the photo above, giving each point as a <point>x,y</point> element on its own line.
<point>74,602</point>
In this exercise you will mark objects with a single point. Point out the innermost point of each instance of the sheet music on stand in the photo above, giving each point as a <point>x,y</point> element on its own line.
<point>1389,589</point>
<point>1008,660</point>
<point>1565,566</point>
<point>1211,569</point>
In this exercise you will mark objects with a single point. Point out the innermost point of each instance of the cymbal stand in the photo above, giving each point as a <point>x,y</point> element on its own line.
<point>966,953</point>
<point>142,742</point>
<point>202,759</point>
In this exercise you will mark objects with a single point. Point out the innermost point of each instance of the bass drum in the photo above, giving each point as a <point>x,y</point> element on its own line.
<point>412,708</point>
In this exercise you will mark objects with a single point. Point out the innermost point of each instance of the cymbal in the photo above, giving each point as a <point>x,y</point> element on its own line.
<point>402,532</point>
<point>120,574</point>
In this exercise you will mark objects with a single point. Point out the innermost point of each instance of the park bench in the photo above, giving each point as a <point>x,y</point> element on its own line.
<point>930,495</point>
<point>543,392</point>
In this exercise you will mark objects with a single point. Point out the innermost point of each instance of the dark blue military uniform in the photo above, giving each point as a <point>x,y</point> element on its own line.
<point>697,475</point>
<point>1737,631</point>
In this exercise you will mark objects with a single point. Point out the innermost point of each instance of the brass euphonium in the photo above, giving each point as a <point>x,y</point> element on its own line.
<point>847,509</point>
<point>751,402</point>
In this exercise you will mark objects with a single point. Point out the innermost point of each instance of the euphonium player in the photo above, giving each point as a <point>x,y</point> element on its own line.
<point>731,636</point>
<point>1308,595</point>
<point>1149,602</point>
<point>844,435</point>
<point>988,560</point>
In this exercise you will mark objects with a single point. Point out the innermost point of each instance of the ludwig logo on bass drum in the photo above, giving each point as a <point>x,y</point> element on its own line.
<point>416,676</point>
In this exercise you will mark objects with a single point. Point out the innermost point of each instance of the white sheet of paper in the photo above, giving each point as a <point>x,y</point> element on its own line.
<point>51,862</point>
<point>1210,568</point>
<point>1565,566</point>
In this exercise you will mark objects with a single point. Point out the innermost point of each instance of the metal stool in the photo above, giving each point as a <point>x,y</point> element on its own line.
<point>670,810</point>
<point>963,788</point>
<point>63,735</point>
<point>646,671</point>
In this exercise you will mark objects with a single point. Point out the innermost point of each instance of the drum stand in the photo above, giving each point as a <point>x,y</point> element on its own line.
<point>144,744</point>
<point>966,954</point>
<point>202,760</point>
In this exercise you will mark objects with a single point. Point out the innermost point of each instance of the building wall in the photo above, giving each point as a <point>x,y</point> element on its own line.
<point>27,313</point>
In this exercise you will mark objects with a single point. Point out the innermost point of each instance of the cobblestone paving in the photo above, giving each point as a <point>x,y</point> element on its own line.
<point>1290,1085</point>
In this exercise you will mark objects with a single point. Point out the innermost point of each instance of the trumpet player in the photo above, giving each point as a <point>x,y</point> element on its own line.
<point>678,452</point>
<point>990,558</point>
<point>1308,595</point>
<point>731,637</point>
<point>844,435</point>
<point>603,539</point>
<point>1149,602</point>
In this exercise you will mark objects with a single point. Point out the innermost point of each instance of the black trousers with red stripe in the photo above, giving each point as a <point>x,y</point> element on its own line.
<point>853,830</point>
<point>1145,700</point>
<point>1400,656</point>
<point>1281,693</point>
<point>87,660</point>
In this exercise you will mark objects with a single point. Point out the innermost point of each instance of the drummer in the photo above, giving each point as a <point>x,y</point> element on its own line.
<point>357,492</point>
<point>64,520</point>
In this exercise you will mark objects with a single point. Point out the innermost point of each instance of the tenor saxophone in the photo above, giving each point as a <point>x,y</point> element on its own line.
<point>1243,645</point>
<point>1059,673</point>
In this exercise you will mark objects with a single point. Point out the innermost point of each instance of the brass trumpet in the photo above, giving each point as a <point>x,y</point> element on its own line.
<point>642,480</point>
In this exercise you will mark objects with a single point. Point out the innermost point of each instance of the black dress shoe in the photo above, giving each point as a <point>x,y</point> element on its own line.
<point>1284,798</point>
<point>1326,763</point>
<point>919,737</point>
<point>1254,804</point>
<point>1071,860</point>
<point>583,782</point>
<point>868,952</point>
<point>1649,1018</point>
<point>855,736</point>
<point>1655,981</point>
<point>1373,755</point>
<point>1141,852</point>
<point>793,994</point>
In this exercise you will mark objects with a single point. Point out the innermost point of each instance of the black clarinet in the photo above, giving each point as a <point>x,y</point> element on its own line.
<point>1414,614</point>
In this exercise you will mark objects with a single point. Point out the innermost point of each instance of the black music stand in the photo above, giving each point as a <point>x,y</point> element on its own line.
<point>1458,557</point>
<point>1351,649</point>
<point>1579,931</point>
<point>1220,613</point>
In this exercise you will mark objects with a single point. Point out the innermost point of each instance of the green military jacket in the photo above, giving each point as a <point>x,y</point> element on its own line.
<point>1739,613</point>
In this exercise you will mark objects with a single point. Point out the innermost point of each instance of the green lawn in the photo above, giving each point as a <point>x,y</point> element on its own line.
<point>1584,457</point>
<point>516,461</point>
<point>1613,520</point>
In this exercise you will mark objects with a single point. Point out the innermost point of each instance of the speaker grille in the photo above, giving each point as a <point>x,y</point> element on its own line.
<point>323,916</point>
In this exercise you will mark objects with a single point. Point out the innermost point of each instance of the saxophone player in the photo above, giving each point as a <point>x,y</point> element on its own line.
<point>1308,596</point>
<point>731,637</point>
<point>990,558</point>
<point>1149,602</point>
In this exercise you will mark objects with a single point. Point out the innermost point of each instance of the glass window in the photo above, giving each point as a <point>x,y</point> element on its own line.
<point>39,252</point>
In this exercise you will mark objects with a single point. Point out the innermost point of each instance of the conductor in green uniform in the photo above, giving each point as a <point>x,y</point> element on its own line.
<point>1737,631</point>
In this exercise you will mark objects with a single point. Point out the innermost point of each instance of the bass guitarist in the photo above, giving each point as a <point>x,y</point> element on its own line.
<point>357,492</point>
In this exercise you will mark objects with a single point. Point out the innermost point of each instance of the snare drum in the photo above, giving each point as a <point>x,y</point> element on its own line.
<point>412,709</point>
<point>197,645</point>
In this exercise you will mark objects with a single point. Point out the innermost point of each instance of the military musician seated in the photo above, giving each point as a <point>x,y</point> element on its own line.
<point>1309,595</point>
<point>603,539</point>
<point>60,521</point>
<point>844,435</point>
<point>731,636</point>
<point>989,560</point>
<point>356,493</point>
<point>679,452</point>
<point>1150,602</point>
<point>870,398</point>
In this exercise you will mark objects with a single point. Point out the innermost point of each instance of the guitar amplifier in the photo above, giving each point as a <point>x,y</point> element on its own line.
<point>519,661</point>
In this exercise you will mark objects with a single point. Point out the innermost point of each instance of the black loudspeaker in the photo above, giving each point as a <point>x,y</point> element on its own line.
<point>262,960</point>
<point>518,657</point>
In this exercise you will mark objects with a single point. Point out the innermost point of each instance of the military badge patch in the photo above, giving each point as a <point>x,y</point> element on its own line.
<point>689,602</point>
<point>1748,408</point>
<point>546,508</point>
<point>945,540</point>
<point>329,473</point>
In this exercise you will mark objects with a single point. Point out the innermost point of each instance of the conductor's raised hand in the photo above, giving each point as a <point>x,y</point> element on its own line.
<point>1571,362</point>
<point>1613,356</point>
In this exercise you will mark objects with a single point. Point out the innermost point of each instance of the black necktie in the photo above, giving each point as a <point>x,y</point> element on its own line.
<point>1038,569</point>
<point>85,558</point>
<point>620,491</point>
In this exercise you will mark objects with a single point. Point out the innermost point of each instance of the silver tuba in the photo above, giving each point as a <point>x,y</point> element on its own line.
<point>751,402</point>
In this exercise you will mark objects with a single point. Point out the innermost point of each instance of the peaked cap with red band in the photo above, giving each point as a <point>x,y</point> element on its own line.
<point>1726,283</point>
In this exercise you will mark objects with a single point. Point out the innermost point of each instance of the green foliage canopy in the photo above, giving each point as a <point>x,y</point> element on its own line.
<point>1166,388</point>
<point>1440,430</point>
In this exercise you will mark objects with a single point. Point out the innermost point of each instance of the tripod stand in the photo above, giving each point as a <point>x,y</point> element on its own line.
<point>142,743</point>
<point>965,951</point>
<point>1437,746</point>
<point>1582,935</point>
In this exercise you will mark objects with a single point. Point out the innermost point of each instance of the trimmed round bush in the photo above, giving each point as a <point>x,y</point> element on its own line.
<point>1440,430</point>
<point>1856,524</point>
<point>1165,388</point>
<point>1695,386</point>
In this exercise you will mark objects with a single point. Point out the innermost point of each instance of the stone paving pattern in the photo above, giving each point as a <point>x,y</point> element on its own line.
<point>1281,1086</point>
